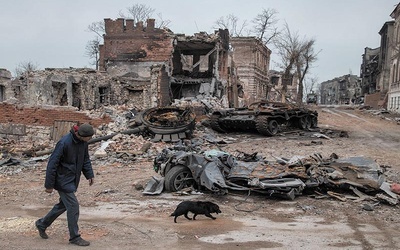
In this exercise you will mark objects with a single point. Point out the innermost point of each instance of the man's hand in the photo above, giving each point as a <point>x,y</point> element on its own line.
<point>49,190</point>
<point>91,181</point>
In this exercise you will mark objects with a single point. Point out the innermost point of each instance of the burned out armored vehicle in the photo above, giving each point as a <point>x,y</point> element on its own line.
<point>267,118</point>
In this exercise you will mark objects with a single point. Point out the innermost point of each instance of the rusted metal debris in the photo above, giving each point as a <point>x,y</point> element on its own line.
<point>168,124</point>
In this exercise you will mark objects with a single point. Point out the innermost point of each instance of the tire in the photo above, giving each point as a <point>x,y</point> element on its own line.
<point>177,178</point>
<point>266,126</point>
<point>314,122</point>
<point>273,127</point>
<point>215,125</point>
<point>308,121</point>
<point>304,122</point>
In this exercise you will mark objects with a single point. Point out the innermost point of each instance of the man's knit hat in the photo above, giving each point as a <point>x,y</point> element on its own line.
<point>85,130</point>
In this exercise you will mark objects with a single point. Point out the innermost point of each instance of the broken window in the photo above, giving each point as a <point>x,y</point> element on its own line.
<point>193,58</point>
<point>287,80</point>
<point>274,80</point>
<point>104,95</point>
<point>2,93</point>
<point>17,92</point>
<point>60,93</point>
<point>76,96</point>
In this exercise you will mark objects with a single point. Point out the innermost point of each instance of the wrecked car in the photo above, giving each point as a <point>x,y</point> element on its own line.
<point>267,118</point>
<point>219,172</point>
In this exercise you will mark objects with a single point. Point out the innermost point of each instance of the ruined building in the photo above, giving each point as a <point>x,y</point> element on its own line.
<point>341,90</point>
<point>393,102</point>
<point>183,66</point>
<point>380,68</point>
<point>5,79</point>
<point>369,70</point>
<point>251,59</point>
<point>386,34</point>
<point>276,81</point>
<point>158,66</point>
<point>143,67</point>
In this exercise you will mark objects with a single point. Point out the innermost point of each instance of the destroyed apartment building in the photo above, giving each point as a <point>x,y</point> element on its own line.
<point>341,90</point>
<point>143,67</point>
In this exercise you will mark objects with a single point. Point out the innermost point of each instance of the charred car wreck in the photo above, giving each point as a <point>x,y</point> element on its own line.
<point>219,172</point>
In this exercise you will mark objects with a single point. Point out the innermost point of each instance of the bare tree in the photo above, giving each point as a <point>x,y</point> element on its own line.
<point>306,58</point>
<point>265,25</point>
<point>98,28</point>
<point>138,12</point>
<point>161,22</point>
<point>142,12</point>
<point>93,50</point>
<point>287,45</point>
<point>310,84</point>
<point>25,68</point>
<point>231,23</point>
<point>297,56</point>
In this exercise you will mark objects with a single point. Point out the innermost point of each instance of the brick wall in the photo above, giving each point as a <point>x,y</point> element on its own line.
<point>45,116</point>
<point>372,100</point>
<point>128,43</point>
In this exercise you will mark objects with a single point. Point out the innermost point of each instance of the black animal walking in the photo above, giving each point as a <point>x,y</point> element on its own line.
<point>196,207</point>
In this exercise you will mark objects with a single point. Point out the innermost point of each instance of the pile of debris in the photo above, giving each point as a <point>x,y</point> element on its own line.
<point>183,166</point>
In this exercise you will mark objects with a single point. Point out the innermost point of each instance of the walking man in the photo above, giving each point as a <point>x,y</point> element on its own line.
<point>69,159</point>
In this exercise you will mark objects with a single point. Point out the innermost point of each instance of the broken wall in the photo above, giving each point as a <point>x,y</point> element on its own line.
<point>5,82</point>
<point>27,122</point>
<point>126,42</point>
<point>373,100</point>
<point>86,89</point>
<point>275,85</point>
<point>136,57</point>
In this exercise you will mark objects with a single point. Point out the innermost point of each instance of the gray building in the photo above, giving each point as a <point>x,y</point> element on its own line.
<point>341,90</point>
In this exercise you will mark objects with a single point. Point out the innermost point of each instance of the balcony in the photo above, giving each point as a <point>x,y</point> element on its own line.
<point>395,86</point>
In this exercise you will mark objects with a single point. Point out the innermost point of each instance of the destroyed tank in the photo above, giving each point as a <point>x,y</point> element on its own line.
<point>267,118</point>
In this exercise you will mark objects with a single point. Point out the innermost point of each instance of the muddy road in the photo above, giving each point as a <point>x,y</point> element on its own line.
<point>116,215</point>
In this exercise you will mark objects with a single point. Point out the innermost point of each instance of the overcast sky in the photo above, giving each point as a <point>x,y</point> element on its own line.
<point>53,33</point>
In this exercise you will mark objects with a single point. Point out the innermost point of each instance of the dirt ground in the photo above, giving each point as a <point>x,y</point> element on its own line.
<point>116,215</point>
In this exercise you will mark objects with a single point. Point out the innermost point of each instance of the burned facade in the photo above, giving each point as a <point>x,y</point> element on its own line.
<point>369,70</point>
<point>341,90</point>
